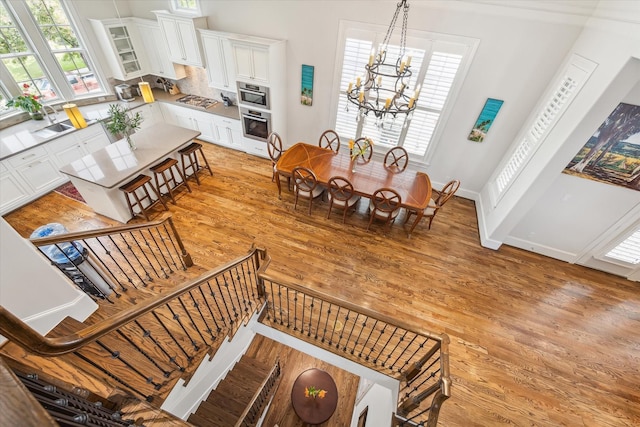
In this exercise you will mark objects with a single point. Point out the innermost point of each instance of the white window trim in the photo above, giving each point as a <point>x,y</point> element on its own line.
<point>180,10</point>
<point>580,69</point>
<point>604,254</point>
<point>471,47</point>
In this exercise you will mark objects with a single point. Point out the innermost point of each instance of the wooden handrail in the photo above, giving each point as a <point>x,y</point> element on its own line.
<point>257,394</point>
<point>442,338</point>
<point>20,333</point>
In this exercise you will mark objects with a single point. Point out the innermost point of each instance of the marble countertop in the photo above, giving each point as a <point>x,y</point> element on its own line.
<point>29,134</point>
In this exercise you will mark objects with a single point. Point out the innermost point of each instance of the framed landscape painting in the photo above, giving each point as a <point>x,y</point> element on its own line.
<point>612,154</point>
<point>485,119</point>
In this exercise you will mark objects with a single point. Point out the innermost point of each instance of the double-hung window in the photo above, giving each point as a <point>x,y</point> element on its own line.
<point>41,47</point>
<point>439,63</point>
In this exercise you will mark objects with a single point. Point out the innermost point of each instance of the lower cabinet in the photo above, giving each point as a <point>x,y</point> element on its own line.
<point>34,172</point>
<point>257,148</point>
<point>229,132</point>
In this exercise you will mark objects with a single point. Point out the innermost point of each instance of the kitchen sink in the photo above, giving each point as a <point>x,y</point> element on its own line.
<point>54,129</point>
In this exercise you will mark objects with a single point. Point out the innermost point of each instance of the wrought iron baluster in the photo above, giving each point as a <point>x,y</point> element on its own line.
<point>148,398</point>
<point>400,340</point>
<point>215,300</point>
<point>226,306</point>
<point>238,284</point>
<point>149,262</point>
<point>175,249</point>
<point>364,344</point>
<point>326,323</point>
<point>333,331</point>
<point>295,309</point>
<point>382,331</point>
<point>381,353</point>
<point>237,305</point>
<point>166,253</point>
<point>147,334</point>
<point>164,259</point>
<point>109,254</point>
<point>144,353</point>
<point>105,266</point>
<point>319,318</point>
<point>404,348</point>
<point>117,355</point>
<point>188,356</point>
<point>355,345</point>
<point>206,303</point>
<point>193,322</point>
<point>176,317</point>
<point>355,322</point>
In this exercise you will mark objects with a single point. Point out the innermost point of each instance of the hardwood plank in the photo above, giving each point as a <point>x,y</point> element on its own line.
<point>534,341</point>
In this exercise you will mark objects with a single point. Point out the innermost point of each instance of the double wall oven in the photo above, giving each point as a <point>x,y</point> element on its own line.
<point>255,114</point>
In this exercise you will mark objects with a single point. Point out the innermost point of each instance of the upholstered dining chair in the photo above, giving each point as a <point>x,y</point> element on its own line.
<point>358,146</point>
<point>436,204</point>
<point>275,150</point>
<point>385,205</point>
<point>329,139</point>
<point>396,159</point>
<point>341,195</point>
<point>305,185</point>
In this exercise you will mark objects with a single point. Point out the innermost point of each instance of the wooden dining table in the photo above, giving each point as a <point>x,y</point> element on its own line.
<point>413,187</point>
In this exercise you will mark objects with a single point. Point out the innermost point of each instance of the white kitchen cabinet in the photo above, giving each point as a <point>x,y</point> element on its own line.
<point>191,119</point>
<point>257,148</point>
<point>71,147</point>
<point>251,62</point>
<point>13,191</point>
<point>121,46</point>
<point>218,60</point>
<point>37,169</point>
<point>229,132</point>
<point>181,37</point>
<point>151,114</point>
<point>156,51</point>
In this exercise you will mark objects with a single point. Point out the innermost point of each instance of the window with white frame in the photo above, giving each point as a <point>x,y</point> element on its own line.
<point>439,63</point>
<point>186,6</point>
<point>626,252</point>
<point>573,77</point>
<point>40,47</point>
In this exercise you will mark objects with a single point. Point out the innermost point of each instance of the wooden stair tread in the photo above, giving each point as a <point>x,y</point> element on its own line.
<point>198,420</point>
<point>217,414</point>
<point>261,369</point>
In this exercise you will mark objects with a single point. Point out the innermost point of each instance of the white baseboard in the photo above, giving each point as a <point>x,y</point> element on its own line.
<point>485,241</point>
<point>541,249</point>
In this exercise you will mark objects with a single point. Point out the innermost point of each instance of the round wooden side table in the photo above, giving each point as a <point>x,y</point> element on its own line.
<point>314,410</point>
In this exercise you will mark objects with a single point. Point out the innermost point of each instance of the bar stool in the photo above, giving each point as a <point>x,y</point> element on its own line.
<point>165,170</point>
<point>142,183</point>
<point>189,156</point>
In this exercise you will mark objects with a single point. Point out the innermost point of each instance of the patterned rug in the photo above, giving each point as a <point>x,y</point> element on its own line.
<point>70,191</point>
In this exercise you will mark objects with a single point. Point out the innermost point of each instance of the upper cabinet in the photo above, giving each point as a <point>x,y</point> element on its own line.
<point>122,37</point>
<point>156,50</point>
<point>218,60</point>
<point>181,37</point>
<point>257,60</point>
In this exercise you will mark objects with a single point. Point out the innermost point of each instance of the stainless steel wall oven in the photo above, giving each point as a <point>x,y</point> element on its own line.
<point>255,124</point>
<point>252,95</point>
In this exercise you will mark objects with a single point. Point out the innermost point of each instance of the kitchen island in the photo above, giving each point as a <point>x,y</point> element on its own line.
<point>98,175</point>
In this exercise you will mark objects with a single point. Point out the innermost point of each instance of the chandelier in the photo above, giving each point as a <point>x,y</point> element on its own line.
<point>394,97</point>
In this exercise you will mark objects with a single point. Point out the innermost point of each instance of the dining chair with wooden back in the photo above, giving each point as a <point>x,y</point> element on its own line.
<point>436,204</point>
<point>329,139</point>
<point>396,159</point>
<point>341,195</point>
<point>305,185</point>
<point>359,147</point>
<point>385,205</point>
<point>275,150</point>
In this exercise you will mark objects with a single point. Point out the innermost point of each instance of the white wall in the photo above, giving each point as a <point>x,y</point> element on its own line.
<point>44,296</point>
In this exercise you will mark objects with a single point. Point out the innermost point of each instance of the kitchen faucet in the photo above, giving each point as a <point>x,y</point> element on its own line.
<point>44,110</point>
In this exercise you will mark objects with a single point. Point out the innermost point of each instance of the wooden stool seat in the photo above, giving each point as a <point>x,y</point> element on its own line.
<point>165,170</point>
<point>130,189</point>
<point>189,156</point>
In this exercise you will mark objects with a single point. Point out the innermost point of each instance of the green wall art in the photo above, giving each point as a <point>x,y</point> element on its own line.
<point>306,95</point>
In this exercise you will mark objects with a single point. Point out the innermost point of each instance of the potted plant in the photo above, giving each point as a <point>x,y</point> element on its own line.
<point>122,123</point>
<point>27,102</point>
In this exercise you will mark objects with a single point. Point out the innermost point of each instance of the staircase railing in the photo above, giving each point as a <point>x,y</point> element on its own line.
<point>254,410</point>
<point>117,258</point>
<point>418,358</point>
<point>145,348</point>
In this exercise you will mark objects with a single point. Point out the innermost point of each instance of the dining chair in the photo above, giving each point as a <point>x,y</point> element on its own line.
<point>436,204</point>
<point>385,205</point>
<point>341,195</point>
<point>305,185</point>
<point>329,139</point>
<point>275,150</point>
<point>358,146</point>
<point>396,159</point>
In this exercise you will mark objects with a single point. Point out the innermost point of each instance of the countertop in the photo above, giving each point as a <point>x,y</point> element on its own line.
<point>23,136</point>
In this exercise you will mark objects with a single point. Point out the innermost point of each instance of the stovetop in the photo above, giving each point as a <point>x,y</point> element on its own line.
<point>197,101</point>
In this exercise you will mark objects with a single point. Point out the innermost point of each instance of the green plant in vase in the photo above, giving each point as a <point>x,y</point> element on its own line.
<point>122,123</point>
<point>28,102</point>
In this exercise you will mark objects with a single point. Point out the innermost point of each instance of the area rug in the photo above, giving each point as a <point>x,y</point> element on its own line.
<point>70,191</point>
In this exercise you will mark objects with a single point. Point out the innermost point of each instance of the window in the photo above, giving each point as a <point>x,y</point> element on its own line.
<point>186,6</point>
<point>627,251</point>
<point>557,101</point>
<point>439,63</point>
<point>52,60</point>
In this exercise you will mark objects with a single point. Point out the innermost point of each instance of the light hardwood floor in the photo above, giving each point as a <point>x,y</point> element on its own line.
<point>534,341</point>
